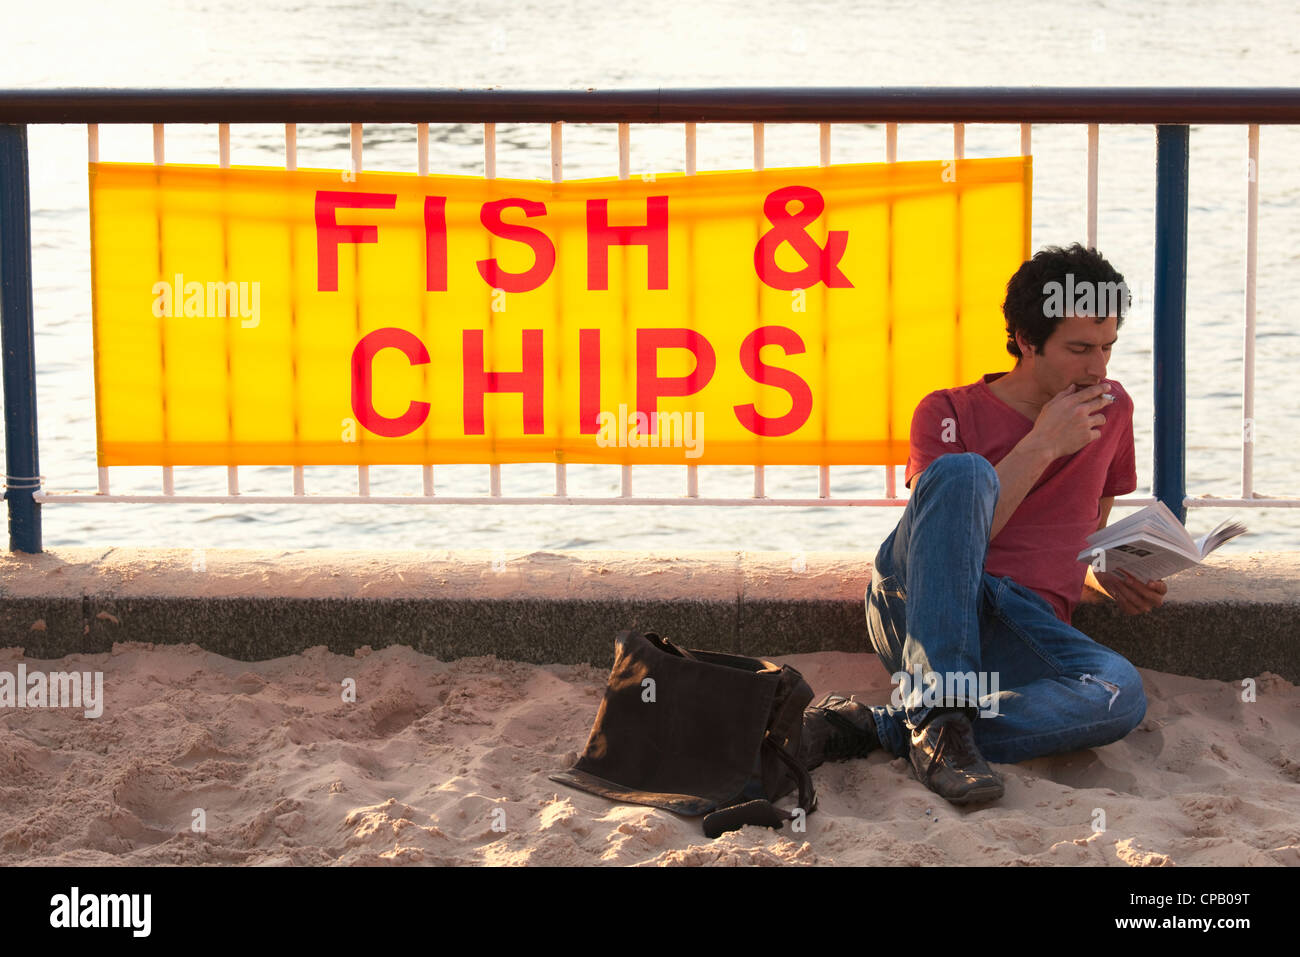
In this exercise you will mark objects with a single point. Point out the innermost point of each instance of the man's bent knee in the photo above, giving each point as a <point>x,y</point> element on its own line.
<point>967,468</point>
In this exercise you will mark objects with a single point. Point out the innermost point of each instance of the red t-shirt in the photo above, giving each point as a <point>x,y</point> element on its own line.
<point>1039,543</point>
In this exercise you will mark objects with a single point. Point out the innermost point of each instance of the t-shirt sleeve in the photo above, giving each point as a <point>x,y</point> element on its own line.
<point>1121,477</point>
<point>934,433</point>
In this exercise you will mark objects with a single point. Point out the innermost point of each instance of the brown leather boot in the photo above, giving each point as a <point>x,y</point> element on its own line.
<point>946,760</point>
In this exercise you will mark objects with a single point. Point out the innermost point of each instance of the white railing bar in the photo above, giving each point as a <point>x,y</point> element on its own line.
<point>958,154</point>
<point>92,151</point>
<point>625,172</point>
<point>557,175</point>
<point>692,471</point>
<point>57,497</point>
<point>1248,359</point>
<point>1094,138</point>
<point>1239,502</point>
<point>159,157</point>
<point>824,159</point>
<point>291,163</point>
<point>79,497</point>
<point>490,172</point>
<point>1026,139</point>
<point>891,156</point>
<point>223,160</point>
<point>422,165</point>
<point>363,471</point>
<point>759,160</point>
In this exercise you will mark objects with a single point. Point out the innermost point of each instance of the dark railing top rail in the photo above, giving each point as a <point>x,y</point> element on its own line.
<point>1163,105</point>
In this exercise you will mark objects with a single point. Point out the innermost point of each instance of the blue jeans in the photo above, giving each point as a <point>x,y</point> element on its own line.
<point>931,605</point>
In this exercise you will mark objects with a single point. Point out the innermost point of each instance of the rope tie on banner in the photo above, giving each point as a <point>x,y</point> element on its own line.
<point>23,481</point>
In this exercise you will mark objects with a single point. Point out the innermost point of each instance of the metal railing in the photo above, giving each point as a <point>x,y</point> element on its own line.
<point>1170,110</point>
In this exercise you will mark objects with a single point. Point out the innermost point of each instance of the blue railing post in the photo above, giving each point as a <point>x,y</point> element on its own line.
<point>16,341</point>
<point>1170,471</point>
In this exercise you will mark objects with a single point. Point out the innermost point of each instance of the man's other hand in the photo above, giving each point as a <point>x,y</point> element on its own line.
<point>1133,597</point>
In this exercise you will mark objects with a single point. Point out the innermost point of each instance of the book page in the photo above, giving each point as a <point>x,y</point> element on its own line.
<point>1144,560</point>
<point>1225,530</point>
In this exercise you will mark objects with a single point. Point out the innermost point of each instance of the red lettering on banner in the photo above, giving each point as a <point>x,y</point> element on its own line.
<point>822,264</point>
<point>653,235</point>
<point>435,243</point>
<point>588,381</point>
<point>330,233</point>
<point>764,374</point>
<point>363,406</point>
<point>541,245</point>
<point>529,381</point>
<point>478,381</point>
<point>650,385</point>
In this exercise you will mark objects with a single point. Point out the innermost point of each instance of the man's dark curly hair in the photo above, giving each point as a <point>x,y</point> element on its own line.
<point>1027,304</point>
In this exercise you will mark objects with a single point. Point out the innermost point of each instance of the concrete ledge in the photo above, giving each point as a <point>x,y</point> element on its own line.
<point>1235,618</point>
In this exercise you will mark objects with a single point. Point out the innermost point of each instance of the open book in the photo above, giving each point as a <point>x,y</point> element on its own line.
<point>1152,544</point>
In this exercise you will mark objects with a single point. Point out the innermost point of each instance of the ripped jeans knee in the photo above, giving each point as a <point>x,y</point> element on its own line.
<point>1125,701</point>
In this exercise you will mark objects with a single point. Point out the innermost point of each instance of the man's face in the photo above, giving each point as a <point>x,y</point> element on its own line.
<point>1075,353</point>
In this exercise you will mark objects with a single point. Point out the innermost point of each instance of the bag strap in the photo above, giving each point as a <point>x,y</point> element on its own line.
<point>763,812</point>
<point>807,793</point>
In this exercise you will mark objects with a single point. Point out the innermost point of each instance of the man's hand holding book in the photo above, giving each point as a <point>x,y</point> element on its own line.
<point>1134,597</point>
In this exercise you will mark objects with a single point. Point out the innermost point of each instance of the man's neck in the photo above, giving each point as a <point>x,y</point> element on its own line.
<point>1020,390</point>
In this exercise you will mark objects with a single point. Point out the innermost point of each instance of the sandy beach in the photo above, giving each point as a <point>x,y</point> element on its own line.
<point>446,763</point>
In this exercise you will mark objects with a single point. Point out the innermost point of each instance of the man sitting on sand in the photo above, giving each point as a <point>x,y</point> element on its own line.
<point>1008,475</point>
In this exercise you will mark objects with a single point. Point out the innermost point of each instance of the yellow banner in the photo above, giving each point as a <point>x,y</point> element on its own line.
<point>310,317</point>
